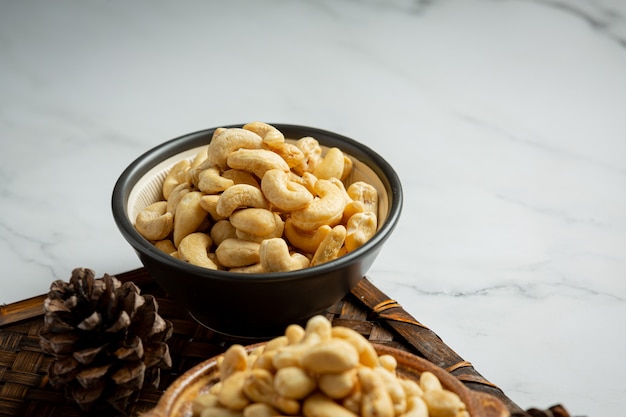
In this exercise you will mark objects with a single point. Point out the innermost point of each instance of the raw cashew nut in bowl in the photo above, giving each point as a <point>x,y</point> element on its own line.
<point>249,299</point>
<point>326,378</point>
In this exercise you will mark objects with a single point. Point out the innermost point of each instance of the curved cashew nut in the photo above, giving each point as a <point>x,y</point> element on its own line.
<point>155,222</point>
<point>375,401</point>
<point>276,232</point>
<point>209,203</point>
<point>327,209</point>
<point>333,356</point>
<point>283,193</point>
<point>312,151</point>
<point>293,382</point>
<point>222,230</point>
<point>259,387</point>
<point>257,161</point>
<point>290,153</point>
<point>331,165</point>
<point>305,241</point>
<point>365,193</point>
<point>211,182</point>
<point>235,359</point>
<point>275,256</point>
<point>360,228</point>
<point>177,174</point>
<point>176,195</point>
<point>236,253</point>
<point>394,389</point>
<point>228,141</point>
<point>194,249</point>
<point>320,405</point>
<point>166,246</point>
<point>189,216</point>
<point>338,385</point>
<point>255,221</point>
<point>231,394</point>
<point>238,176</point>
<point>367,353</point>
<point>443,403</point>
<point>238,196</point>
<point>330,246</point>
<point>272,137</point>
<point>198,159</point>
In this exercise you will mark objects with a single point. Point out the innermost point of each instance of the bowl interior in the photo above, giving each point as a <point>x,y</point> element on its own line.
<point>147,189</point>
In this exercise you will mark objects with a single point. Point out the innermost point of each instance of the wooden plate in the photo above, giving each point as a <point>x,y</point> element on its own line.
<point>176,401</point>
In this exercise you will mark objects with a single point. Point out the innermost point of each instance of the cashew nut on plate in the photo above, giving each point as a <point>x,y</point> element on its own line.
<point>253,201</point>
<point>321,371</point>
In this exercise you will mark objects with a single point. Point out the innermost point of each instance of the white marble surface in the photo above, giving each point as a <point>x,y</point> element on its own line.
<point>506,121</point>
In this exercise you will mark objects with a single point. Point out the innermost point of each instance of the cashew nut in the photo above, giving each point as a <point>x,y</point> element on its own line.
<point>429,382</point>
<point>394,389</point>
<point>305,241</point>
<point>376,401</point>
<point>222,230</point>
<point>189,216</point>
<point>293,382</point>
<point>209,203</point>
<point>416,407</point>
<point>259,387</point>
<point>367,353</point>
<point>237,253</point>
<point>360,228</point>
<point>256,161</point>
<point>203,401</point>
<point>237,176</point>
<point>283,193</point>
<point>333,356</point>
<point>239,196</point>
<point>166,246</point>
<point>338,385</point>
<point>232,394</point>
<point>194,248</point>
<point>279,227</point>
<point>330,246</point>
<point>318,405</point>
<point>272,137</point>
<point>365,193</point>
<point>325,209</point>
<point>443,403</point>
<point>211,182</point>
<point>275,256</point>
<point>256,221</point>
<point>235,359</point>
<point>312,151</point>
<point>228,141</point>
<point>260,410</point>
<point>176,195</point>
<point>154,222</point>
<point>177,174</point>
<point>331,165</point>
<point>290,153</point>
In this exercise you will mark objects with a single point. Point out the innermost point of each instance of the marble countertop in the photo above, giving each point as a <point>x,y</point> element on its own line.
<point>505,120</point>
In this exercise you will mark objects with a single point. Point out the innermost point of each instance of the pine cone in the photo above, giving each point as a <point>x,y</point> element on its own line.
<point>107,339</point>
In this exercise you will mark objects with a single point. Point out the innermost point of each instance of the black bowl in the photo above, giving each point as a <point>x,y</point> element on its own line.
<point>252,306</point>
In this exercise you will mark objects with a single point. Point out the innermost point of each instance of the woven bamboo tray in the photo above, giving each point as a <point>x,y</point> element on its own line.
<point>24,389</point>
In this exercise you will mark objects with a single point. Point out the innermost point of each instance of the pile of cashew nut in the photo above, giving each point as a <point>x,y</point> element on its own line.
<point>321,371</point>
<point>255,202</point>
